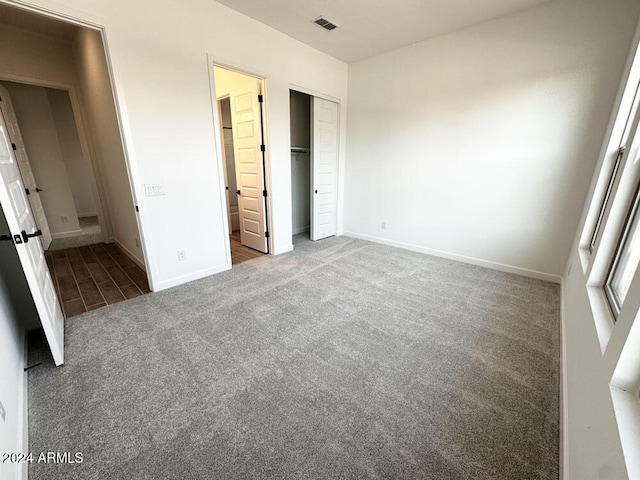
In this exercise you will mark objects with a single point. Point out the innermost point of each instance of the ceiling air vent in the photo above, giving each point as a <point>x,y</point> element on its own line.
<point>324,23</point>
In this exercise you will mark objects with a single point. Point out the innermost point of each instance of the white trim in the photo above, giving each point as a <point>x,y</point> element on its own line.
<point>564,391</point>
<point>288,248</point>
<point>174,282</point>
<point>314,93</point>
<point>130,254</point>
<point>525,272</point>
<point>69,234</point>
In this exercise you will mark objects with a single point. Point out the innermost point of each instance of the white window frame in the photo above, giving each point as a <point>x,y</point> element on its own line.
<point>610,210</point>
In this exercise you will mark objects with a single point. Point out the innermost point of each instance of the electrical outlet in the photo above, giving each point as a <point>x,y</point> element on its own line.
<point>65,219</point>
<point>3,414</point>
<point>384,225</point>
<point>182,255</point>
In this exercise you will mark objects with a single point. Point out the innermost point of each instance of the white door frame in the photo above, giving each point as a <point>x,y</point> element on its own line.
<point>123,125</point>
<point>213,61</point>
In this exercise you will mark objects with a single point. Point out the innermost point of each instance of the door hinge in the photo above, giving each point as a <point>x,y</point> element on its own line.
<point>264,193</point>
<point>260,98</point>
<point>263,148</point>
<point>27,191</point>
<point>13,145</point>
<point>137,209</point>
<point>266,234</point>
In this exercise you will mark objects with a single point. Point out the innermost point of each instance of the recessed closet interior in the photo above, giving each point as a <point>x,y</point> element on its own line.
<point>300,112</point>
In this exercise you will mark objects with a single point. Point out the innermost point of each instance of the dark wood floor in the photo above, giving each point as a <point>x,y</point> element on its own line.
<point>240,253</point>
<point>93,276</point>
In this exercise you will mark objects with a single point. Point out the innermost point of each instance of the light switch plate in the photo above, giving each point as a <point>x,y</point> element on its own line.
<point>152,190</point>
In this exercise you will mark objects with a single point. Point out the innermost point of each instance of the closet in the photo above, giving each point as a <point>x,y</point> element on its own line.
<point>300,162</point>
<point>314,165</point>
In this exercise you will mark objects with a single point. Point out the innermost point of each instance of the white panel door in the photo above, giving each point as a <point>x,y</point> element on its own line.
<point>247,139</point>
<point>13,200</point>
<point>6,107</point>
<point>324,158</point>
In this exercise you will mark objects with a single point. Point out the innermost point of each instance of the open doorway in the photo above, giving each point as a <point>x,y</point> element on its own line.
<point>63,173</point>
<point>240,103</point>
<point>58,179</point>
<point>314,166</point>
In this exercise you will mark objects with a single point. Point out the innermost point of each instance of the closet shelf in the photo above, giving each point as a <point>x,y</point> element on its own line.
<point>300,150</point>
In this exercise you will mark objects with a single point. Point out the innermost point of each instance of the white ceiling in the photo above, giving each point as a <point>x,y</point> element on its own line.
<point>372,27</point>
<point>27,20</point>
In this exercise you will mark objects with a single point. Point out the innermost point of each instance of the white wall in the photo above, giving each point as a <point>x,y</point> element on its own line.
<point>11,384</point>
<point>40,136</point>
<point>75,162</point>
<point>103,129</point>
<point>480,144</point>
<point>17,312</point>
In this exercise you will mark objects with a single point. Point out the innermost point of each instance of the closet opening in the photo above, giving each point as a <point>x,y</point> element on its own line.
<point>300,116</point>
<point>240,104</point>
<point>314,124</point>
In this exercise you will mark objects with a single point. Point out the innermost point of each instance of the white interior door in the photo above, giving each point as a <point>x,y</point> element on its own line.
<point>324,173</point>
<point>14,203</point>
<point>247,140</point>
<point>15,137</point>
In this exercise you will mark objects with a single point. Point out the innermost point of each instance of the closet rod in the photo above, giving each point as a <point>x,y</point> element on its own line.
<point>300,150</point>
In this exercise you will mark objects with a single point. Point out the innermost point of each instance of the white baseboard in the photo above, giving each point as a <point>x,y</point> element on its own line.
<point>130,254</point>
<point>285,249</point>
<point>297,231</point>
<point>174,282</point>
<point>71,233</point>
<point>525,272</point>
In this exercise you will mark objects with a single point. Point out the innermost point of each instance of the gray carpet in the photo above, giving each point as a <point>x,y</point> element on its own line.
<point>343,359</point>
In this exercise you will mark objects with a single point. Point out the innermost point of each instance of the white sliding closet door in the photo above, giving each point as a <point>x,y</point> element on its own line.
<point>324,158</point>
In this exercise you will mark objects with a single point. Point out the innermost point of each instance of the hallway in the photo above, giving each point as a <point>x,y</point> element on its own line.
<point>94,276</point>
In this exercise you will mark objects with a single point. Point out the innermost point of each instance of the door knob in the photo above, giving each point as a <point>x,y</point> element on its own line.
<point>316,191</point>
<point>38,189</point>
<point>26,236</point>
<point>237,192</point>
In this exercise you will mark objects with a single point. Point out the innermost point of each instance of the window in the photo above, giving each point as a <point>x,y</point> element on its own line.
<point>625,260</point>
<point>605,200</point>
